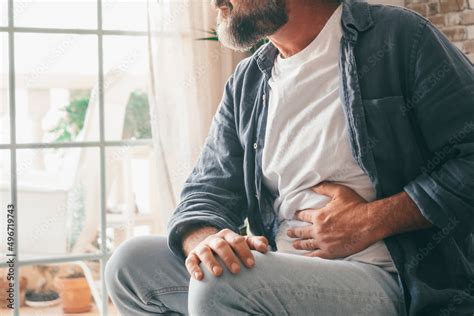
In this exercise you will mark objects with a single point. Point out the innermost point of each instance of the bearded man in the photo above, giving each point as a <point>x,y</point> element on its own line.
<point>347,142</point>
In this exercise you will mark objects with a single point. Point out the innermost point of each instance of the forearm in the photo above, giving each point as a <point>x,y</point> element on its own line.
<point>396,214</point>
<point>192,238</point>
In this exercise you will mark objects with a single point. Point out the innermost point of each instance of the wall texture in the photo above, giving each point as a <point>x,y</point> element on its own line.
<point>454,17</point>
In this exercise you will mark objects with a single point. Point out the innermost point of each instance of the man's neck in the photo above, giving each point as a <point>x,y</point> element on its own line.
<point>306,19</point>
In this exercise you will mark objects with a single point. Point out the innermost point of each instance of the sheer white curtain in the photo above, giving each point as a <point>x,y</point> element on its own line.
<point>187,79</point>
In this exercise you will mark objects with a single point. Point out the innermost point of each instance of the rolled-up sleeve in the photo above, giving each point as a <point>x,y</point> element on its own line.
<point>442,102</point>
<point>214,193</point>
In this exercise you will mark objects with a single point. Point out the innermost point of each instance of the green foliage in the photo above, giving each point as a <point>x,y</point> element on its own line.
<point>136,125</point>
<point>73,120</point>
<point>213,36</point>
<point>137,117</point>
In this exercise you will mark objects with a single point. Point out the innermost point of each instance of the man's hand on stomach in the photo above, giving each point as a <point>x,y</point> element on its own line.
<point>339,229</point>
<point>349,224</point>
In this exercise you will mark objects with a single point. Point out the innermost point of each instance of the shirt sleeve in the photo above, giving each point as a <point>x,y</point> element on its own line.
<point>214,193</point>
<point>442,102</point>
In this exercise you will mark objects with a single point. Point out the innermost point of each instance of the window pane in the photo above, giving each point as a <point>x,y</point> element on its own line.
<point>51,284</point>
<point>55,87</point>
<point>132,207</point>
<point>4,91</point>
<point>58,201</point>
<point>3,12</point>
<point>5,199</point>
<point>125,88</point>
<point>124,15</point>
<point>56,14</point>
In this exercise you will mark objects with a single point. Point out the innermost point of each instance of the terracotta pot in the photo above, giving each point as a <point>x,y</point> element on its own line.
<point>75,294</point>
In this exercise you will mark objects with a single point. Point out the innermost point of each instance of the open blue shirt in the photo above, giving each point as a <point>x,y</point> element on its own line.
<point>408,97</point>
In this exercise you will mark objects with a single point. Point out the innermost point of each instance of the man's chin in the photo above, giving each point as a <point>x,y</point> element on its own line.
<point>230,41</point>
<point>236,47</point>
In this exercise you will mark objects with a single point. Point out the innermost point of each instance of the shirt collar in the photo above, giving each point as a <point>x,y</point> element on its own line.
<point>356,17</point>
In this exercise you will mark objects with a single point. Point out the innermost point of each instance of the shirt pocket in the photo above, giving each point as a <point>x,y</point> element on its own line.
<point>396,152</point>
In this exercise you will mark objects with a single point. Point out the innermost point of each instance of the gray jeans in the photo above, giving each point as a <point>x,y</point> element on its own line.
<point>144,278</point>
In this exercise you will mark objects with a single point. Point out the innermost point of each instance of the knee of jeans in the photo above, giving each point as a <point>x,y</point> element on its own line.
<point>205,296</point>
<point>214,293</point>
<point>122,265</point>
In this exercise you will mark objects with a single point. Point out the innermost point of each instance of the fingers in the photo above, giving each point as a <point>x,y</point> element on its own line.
<point>301,232</point>
<point>222,248</point>
<point>259,243</point>
<point>205,254</point>
<point>305,215</point>
<point>305,244</point>
<point>327,188</point>
<point>192,265</point>
<point>241,249</point>
<point>230,247</point>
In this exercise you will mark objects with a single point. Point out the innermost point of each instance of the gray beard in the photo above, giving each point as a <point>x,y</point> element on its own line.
<point>242,31</point>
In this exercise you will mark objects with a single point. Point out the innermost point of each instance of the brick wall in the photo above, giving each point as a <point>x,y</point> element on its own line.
<point>454,17</point>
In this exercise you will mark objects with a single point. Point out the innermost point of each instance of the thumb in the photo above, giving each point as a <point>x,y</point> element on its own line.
<point>327,188</point>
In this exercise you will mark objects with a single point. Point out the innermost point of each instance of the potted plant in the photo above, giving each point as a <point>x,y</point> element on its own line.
<point>43,295</point>
<point>74,291</point>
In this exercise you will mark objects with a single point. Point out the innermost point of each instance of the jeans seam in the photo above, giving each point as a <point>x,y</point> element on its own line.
<point>162,291</point>
<point>325,292</point>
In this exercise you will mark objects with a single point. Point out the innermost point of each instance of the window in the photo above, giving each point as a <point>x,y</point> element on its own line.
<point>76,156</point>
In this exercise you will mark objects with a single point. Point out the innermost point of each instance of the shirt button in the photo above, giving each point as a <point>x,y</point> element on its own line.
<point>255,146</point>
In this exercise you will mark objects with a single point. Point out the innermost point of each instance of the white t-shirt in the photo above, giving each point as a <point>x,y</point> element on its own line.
<point>307,140</point>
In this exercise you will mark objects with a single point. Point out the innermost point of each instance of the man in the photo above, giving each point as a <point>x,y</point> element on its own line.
<point>348,144</point>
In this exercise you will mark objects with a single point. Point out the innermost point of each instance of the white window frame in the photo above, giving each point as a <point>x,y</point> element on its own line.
<point>102,144</point>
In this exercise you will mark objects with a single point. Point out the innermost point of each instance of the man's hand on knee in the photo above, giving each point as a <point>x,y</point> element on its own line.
<point>230,247</point>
